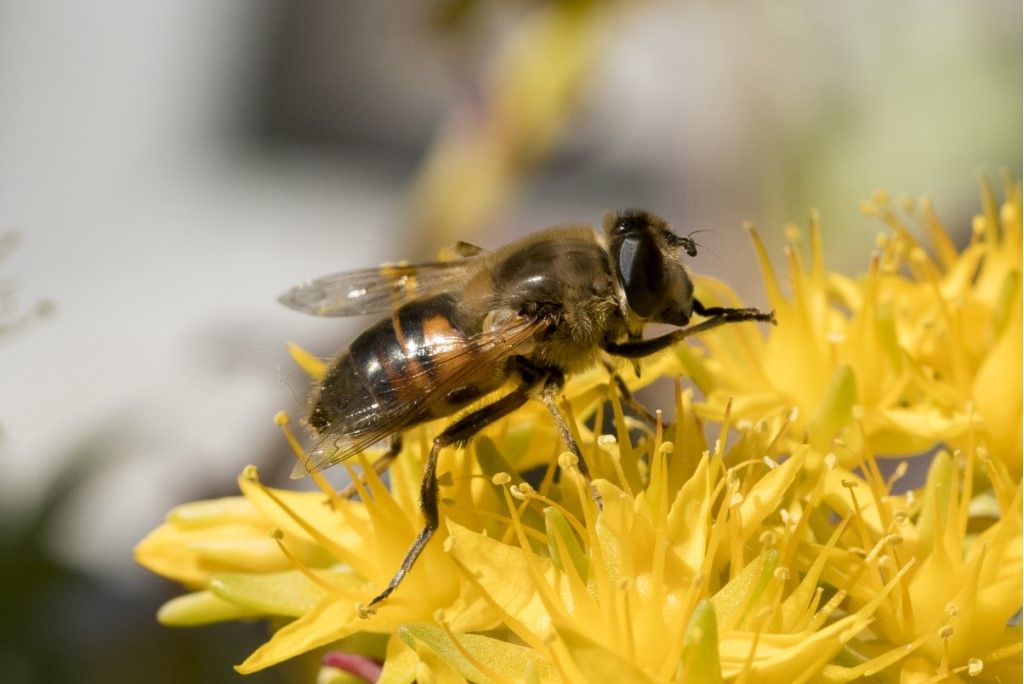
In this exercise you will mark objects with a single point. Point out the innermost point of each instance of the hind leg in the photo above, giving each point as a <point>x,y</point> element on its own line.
<point>458,432</point>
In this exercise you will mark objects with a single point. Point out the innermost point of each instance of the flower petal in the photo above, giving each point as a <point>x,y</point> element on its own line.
<point>700,650</point>
<point>509,661</point>
<point>201,608</point>
<point>597,663</point>
<point>284,593</point>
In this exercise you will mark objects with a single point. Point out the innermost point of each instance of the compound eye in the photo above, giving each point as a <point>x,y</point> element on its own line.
<point>642,274</point>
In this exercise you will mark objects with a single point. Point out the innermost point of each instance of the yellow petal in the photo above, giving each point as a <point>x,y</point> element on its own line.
<point>328,620</point>
<point>796,662</point>
<point>202,608</point>
<point>399,663</point>
<point>282,593</point>
<point>997,394</point>
<point>215,512</point>
<point>562,539</point>
<point>508,661</point>
<point>766,495</point>
<point>897,431</point>
<point>597,663</point>
<point>503,572</point>
<point>700,649</point>
<point>331,675</point>
<point>835,408</point>
<point>189,555</point>
<point>741,593</point>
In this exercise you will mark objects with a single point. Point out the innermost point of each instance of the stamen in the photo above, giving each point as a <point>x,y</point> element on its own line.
<point>282,419</point>
<point>278,536</point>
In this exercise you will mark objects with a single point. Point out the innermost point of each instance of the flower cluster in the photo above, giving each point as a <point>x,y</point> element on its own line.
<point>780,551</point>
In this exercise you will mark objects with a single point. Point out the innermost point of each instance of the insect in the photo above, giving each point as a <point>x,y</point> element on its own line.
<point>524,316</point>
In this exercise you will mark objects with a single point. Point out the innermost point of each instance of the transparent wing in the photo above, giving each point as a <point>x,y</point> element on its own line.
<point>452,366</point>
<point>373,290</point>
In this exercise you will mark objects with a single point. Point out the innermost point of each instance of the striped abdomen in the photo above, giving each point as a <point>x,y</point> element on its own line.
<point>391,370</point>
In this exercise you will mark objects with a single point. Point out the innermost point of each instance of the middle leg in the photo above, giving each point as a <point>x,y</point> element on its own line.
<point>552,388</point>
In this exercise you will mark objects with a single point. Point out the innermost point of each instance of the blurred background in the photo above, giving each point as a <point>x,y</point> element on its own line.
<point>167,169</point>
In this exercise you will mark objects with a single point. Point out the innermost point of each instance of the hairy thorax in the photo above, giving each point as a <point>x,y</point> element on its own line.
<point>564,277</point>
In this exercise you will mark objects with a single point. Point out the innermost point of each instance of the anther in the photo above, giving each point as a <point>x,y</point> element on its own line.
<point>894,539</point>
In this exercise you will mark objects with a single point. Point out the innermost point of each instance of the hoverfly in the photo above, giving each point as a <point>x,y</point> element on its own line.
<point>525,316</point>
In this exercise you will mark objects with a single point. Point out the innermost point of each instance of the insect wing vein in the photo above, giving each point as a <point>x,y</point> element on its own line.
<point>373,290</point>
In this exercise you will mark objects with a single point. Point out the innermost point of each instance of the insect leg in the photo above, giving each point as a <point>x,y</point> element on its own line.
<point>379,466</point>
<point>458,432</point>
<point>632,350</point>
<point>627,394</point>
<point>552,387</point>
<point>730,315</point>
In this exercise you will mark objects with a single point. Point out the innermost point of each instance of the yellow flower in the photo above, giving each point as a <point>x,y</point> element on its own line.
<point>299,555</point>
<point>778,553</point>
<point>916,351</point>
<point>316,557</point>
<point>951,613</point>
<point>664,584</point>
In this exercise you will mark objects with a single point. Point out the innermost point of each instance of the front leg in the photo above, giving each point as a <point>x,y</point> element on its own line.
<point>732,315</point>
<point>721,315</point>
